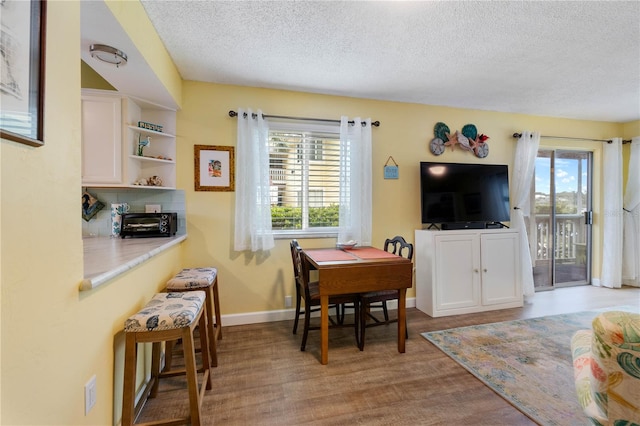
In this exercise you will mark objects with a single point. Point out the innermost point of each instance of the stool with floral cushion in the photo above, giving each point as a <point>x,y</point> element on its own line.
<point>167,317</point>
<point>205,279</point>
<point>606,365</point>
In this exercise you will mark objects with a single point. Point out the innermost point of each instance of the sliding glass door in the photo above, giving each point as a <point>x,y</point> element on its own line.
<point>562,211</point>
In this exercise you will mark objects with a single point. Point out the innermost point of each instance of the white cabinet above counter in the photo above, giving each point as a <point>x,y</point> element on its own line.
<point>111,136</point>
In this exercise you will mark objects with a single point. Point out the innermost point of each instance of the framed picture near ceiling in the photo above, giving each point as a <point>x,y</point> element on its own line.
<point>22,44</point>
<point>214,168</point>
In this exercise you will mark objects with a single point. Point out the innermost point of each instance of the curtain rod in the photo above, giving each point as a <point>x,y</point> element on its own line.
<point>518,135</point>
<point>285,117</point>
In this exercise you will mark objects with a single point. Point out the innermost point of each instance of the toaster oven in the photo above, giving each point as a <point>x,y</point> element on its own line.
<point>149,224</point>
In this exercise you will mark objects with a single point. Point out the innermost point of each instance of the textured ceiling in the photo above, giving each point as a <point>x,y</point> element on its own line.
<point>576,59</point>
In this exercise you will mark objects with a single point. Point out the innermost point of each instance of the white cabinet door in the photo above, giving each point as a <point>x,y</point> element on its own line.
<point>459,272</point>
<point>110,139</point>
<point>101,140</point>
<point>500,268</point>
<point>457,268</point>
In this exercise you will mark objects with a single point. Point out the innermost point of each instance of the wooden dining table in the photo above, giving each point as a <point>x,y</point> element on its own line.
<point>358,270</point>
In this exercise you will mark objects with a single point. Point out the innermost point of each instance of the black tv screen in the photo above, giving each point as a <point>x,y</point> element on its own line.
<point>455,193</point>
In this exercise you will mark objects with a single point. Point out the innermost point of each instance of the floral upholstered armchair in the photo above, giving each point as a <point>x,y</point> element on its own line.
<point>606,365</point>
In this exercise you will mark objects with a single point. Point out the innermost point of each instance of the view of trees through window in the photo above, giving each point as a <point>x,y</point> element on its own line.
<point>304,174</point>
<point>291,217</point>
<point>570,185</point>
<point>566,202</point>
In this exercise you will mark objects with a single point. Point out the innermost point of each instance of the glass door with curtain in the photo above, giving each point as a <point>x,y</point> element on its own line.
<point>561,200</point>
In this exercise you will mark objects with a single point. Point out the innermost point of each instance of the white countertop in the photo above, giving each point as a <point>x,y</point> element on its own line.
<point>107,257</point>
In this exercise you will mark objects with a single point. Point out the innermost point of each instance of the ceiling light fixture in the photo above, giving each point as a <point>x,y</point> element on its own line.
<point>108,54</point>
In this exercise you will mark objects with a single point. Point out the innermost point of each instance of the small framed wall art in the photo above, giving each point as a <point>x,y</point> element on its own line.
<point>214,169</point>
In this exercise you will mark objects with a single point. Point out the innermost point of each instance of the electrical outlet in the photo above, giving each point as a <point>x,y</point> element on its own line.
<point>152,208</point>
<point>90,394</point>
<point>287,301</point>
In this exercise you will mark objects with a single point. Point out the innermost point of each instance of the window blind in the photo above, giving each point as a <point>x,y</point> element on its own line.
<point>304,179</point>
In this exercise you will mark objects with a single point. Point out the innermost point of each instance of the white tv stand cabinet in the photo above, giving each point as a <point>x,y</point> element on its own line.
<point>465,271</point>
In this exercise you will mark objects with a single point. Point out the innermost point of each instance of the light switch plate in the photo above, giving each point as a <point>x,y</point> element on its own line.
<point>152,208</point>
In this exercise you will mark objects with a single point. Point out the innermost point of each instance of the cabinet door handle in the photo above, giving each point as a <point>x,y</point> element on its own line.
<point>485,270</point>
<point>476,270</point>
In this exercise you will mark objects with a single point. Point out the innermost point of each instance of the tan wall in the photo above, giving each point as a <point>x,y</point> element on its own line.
<point>253,283</point>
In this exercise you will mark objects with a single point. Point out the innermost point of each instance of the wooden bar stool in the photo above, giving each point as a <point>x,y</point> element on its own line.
<point>205,279</point>
<point>167,317</point>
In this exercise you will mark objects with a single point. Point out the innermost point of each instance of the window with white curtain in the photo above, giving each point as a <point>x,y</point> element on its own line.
<point>304,174</point>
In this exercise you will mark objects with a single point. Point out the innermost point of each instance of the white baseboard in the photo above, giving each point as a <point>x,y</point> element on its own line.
<point>282,315</point>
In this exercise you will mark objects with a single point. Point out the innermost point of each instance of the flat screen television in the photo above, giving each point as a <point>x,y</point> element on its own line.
<point>453,193</point>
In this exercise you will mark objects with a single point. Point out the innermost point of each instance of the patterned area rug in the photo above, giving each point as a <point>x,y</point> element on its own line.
<point>527,362</point>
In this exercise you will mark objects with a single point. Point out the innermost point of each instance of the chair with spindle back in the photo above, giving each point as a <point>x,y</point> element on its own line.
<point>309,292</point>
<point>378,299</point>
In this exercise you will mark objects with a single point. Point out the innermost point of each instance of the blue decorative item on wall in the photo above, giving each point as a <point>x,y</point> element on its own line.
<point>391,172</point>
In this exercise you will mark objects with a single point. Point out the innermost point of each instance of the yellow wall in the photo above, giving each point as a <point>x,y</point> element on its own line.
<point>253,283</point>
<point>90,78</point>
<point>630,130</point>
<point>53,337</point>
<point>136,23</point>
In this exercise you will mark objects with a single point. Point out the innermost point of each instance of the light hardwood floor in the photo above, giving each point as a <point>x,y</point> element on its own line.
<point>262,378</point>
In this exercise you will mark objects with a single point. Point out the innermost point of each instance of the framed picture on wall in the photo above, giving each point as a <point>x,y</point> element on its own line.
<point>22,44</point>
<point>214,168</point>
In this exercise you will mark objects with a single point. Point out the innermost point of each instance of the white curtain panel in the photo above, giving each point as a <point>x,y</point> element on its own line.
<point>253,204</point>
<point>523,171</point>
<point>631,224</point>
<point>355,181</point>
<point>611,275</point>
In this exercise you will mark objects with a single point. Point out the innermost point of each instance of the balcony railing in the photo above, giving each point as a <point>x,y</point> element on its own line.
<point>570,237</point>
<point>278,176</point>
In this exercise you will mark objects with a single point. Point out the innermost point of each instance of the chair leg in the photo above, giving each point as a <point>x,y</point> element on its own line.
<point>364,307</point>
<point>210,328</point>
<point>356,321</point>
<point>155,368</point>
<point>129,390</point>
<point>192,376</point>
<point>168,354</point>
<point>406,329</point>
<point>295,320</point>
<point>305,333</point>
<point>204,343</point>
<point>218,313</point>
<point>385,311</point>
<point>340,309</point>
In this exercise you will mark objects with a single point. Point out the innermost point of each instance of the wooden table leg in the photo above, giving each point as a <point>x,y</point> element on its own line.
<point>324,328</point>
<point>402,315</point>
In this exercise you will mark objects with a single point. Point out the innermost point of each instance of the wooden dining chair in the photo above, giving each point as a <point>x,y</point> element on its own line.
<point>301,293</point>
<point>309,293</point>
<point>378,299</point>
